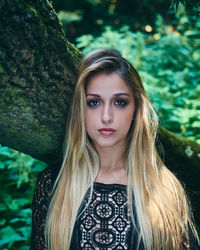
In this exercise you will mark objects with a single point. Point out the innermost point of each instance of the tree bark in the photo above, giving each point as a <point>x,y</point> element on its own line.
<point>182,157</point>
<point>37,74</point>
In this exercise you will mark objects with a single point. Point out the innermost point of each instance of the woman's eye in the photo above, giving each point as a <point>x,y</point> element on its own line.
<point>121,103</point>
<point>93,103</point>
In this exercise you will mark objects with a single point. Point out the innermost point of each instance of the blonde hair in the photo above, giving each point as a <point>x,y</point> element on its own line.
<point>159,201</point>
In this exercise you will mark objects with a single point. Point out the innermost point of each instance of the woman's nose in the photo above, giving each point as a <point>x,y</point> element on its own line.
<point>107,114</point>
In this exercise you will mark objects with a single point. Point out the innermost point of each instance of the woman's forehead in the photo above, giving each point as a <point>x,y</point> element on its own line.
<point>103,82</point>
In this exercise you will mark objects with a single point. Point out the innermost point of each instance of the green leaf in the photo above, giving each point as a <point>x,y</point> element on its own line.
<point>196,124</point>
<point>3,207</point>
<point>2,165</point>
<point>8,234</point>
<point>2,221</point>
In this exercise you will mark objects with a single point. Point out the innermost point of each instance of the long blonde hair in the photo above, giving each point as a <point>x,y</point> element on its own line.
<point>159,201</point>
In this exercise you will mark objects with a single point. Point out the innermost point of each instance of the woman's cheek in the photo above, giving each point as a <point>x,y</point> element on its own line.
<point>90,121</point>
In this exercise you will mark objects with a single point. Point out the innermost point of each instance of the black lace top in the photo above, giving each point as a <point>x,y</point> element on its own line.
<point>104,224</point>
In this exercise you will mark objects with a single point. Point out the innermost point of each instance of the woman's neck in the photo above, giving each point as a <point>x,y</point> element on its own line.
<point>112,166</point>
<point>112,176</point>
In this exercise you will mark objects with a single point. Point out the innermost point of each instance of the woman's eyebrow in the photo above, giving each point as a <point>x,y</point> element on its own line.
<point>93,95</point>
<point>117,94</point>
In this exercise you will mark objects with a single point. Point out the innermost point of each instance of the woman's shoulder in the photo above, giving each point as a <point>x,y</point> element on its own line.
<point>46,179</point>
<point>50,173</point>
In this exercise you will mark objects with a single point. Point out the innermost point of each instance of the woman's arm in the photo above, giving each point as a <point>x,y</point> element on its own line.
<point>40,202</point>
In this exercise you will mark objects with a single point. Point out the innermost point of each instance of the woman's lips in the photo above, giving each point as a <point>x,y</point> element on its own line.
<point>106,131</point>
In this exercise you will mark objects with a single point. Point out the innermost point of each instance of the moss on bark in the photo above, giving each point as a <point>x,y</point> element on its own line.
<point>37,72</point>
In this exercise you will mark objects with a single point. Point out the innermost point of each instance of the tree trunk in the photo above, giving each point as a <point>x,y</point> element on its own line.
<point>182,157</point>
<point>37,75</point>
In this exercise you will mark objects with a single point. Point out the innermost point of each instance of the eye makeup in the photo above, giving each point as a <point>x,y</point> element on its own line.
<point>121,102</point>
<point>93,103</point>
<point>118,102</point>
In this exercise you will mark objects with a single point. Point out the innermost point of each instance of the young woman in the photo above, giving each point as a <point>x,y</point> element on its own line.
<point>112,191</point>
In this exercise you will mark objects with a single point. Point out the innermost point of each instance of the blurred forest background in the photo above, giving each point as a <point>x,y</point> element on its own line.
<point>163,43</point>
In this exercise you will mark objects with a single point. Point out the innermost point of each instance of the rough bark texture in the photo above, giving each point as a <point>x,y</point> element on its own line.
<point>182,157</point>
<point>37,74</point>
<point>37,70</point>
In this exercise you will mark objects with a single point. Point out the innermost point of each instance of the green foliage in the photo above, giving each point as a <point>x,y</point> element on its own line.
<point>168,63</point>
<point>96,14</point>
<point>176,3</point>
<point>18,174</point>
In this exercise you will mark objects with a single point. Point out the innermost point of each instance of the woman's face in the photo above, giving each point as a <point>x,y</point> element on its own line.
<point>110,110</point>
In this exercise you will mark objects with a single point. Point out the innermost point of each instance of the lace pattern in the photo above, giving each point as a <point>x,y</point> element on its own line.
<point>105,223</point>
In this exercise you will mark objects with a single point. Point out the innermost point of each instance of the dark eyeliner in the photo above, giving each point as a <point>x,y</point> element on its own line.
<point>121,101</point>
<point>94,101</point>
